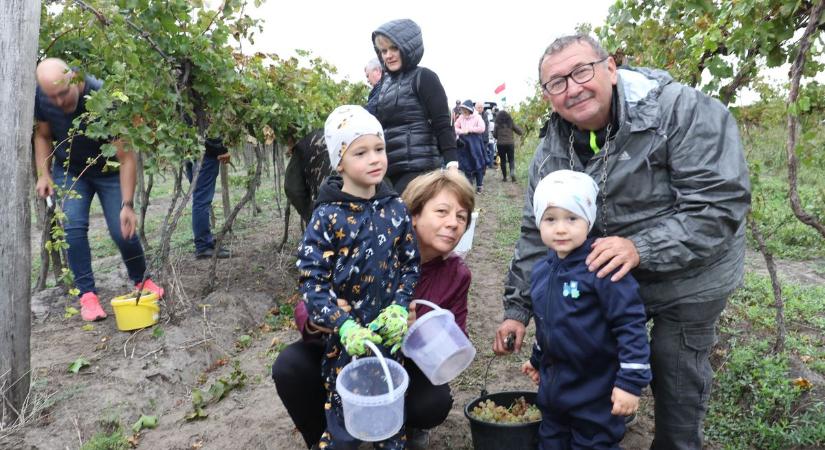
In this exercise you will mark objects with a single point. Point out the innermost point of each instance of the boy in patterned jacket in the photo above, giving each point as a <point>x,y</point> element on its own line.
<point>358,260</point>
<point>591,353</point>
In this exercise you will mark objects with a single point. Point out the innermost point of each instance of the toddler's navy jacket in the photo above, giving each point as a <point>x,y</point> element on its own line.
<point>590,332</point>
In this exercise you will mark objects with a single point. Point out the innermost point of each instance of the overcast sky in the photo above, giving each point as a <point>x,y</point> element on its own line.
<point>472,46</point>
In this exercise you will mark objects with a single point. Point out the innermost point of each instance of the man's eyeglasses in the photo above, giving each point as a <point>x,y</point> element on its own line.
<point>580,75</point>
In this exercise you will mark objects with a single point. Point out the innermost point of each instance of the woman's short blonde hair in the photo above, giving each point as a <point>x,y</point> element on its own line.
<point>425,187</point>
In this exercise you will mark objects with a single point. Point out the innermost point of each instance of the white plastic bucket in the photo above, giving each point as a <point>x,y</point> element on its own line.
<point>372,393</point>
<point>437,345</point>
<point>466,242</point>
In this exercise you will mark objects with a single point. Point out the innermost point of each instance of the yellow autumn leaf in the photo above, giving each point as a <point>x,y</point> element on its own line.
<point>269,135</point>
<point>803,383</point>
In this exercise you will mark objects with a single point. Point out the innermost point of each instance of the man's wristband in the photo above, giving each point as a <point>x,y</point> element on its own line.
<point>128,203</point>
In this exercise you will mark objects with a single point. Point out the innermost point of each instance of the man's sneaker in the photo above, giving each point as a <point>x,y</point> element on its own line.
<point>149,285</point>
<point>418,439</point>
<point>90,309</point>
<point>204,254</point>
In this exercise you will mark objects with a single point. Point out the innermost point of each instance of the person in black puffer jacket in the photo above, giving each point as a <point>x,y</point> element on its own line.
<point>412,106</point>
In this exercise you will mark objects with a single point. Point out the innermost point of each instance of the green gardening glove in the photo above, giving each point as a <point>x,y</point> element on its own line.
<point>354,338</point>
<point>391,325</point>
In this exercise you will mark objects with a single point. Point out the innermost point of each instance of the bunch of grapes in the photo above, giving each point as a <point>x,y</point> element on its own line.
<point>519,412</point>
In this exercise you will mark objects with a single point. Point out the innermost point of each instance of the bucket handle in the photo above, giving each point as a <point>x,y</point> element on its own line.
<point>139,291</point>
<point>432,305</point>
<point>383,363</point>
<point>509,343</point>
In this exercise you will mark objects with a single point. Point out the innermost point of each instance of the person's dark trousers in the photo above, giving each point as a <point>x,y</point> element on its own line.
<point>475,177</point>
<point>297,376</point>
<point>479,177</point>
<point>202,201</point>
<point>76,225</point>
<point>681,341</point>
<point>491,150</point>
<point>506,156</point>
<point>426,405</point>
<point>586,427</point>
<point>401,180</point>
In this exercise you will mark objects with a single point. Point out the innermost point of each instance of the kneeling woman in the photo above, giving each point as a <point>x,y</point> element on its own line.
<point>440,204</point>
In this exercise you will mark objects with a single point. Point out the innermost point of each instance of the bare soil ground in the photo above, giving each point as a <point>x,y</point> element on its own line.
<point>134,373</point>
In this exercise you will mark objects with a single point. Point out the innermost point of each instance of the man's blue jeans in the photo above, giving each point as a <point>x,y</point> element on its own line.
<point>202,201</point>
<point>76,225</point>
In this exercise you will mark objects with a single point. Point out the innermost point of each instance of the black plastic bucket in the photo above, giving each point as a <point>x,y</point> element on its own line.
<point>499,436</point>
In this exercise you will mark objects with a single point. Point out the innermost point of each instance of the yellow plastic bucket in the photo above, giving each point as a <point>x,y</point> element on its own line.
<point>130,315</point>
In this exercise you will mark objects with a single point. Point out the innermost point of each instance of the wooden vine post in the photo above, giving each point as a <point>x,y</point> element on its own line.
<point>19,28</point>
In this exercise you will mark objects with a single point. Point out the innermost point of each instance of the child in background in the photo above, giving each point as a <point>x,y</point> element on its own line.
<point>591,356</point>
<point>358,260</point>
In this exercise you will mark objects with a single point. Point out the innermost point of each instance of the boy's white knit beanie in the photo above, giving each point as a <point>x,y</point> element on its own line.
<point>346,124</point>
<point>567,189</point>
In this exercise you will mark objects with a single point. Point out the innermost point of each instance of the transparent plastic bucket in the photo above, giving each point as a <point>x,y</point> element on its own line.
<point>437,345</point>
<point>372,393</point>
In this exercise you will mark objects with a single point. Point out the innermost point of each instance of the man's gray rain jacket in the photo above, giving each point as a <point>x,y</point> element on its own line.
<point>677,186</point>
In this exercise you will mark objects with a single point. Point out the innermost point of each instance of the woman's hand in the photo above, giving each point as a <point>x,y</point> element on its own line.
<point>411,316</point>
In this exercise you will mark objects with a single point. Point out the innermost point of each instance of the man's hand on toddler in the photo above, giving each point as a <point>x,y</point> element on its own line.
<point>530,371</point>
<point>391,325</point>
<point>354,338</point>
<point>624,403</point>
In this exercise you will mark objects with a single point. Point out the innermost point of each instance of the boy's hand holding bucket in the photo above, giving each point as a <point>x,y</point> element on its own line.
<point>354,338</point>
<point>391,325</point>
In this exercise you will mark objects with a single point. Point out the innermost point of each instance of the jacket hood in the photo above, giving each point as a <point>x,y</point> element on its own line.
<point>331,192</point>
<point>635,97</point>
<point>406,35</point>
<point>639,89</point>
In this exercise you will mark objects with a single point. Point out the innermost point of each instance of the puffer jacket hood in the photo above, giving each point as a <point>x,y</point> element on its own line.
<point>331,192</point>
<point>406,35</point>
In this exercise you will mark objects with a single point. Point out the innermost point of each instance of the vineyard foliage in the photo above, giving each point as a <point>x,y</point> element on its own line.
<point>176,72</point>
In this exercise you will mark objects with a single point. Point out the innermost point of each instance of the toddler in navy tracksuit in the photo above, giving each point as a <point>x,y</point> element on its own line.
<point>358,262</point>
<point>591,353</point>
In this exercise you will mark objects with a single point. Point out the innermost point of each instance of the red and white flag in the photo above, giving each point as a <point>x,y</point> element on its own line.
<point>500,88</point>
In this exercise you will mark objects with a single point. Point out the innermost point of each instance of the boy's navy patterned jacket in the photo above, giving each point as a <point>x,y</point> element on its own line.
<point>590,332</point>
<point>363,251</point>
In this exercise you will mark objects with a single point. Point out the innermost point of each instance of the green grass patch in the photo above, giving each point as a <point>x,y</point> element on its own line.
<point>804,305</point>
<point>109,437</point>
<point>786,236</point>
<point>755,403</point>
